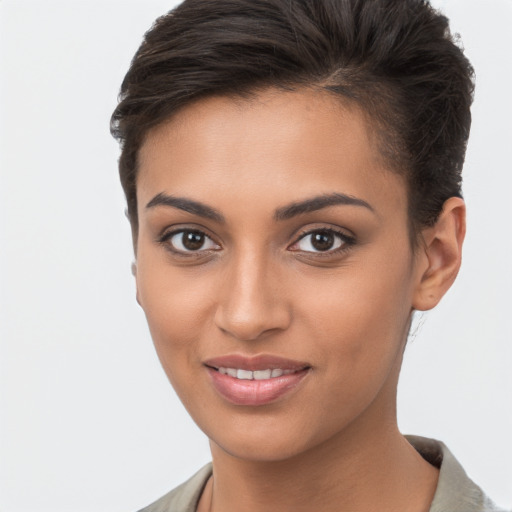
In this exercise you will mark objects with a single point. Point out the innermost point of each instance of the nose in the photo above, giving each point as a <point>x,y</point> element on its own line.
<point>252,301</point>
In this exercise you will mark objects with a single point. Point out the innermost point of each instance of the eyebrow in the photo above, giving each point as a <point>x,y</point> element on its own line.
<point>187,205</point>
<point>283,213</point>
<point>317,203</point>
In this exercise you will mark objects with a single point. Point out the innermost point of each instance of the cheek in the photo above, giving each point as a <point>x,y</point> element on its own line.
<point>359,319</point>
<point>178,309</point>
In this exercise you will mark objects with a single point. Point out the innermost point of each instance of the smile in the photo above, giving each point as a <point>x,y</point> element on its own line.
<point>254,375</point>
<point>257,380</point>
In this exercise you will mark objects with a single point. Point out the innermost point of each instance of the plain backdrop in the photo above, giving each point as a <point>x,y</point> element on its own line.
<point>88,421</point>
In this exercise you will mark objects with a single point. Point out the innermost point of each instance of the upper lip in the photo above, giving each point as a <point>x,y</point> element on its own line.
<point>255,363</point>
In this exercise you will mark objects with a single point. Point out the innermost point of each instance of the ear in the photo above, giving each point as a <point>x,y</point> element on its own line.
<point>441,254</point>
<point>134,273</point>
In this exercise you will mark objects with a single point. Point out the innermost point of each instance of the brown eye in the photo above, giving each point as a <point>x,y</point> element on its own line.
<point>191,241</point>
<point>322,240</point>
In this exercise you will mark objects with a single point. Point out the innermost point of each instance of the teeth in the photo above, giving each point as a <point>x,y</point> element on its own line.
<point>255,375</point>
<point>262,374</point>
<point>244,374</point>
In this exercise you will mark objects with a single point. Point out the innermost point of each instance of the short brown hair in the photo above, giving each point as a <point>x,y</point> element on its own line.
<point>396,59</point>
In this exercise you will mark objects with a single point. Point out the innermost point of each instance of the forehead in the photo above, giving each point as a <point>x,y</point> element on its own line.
<point>281,144</point>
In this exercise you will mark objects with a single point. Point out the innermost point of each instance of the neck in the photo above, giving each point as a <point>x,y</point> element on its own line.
<point>356,471</point>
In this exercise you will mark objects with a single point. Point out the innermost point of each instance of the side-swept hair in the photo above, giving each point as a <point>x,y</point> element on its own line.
<point>395,59</point>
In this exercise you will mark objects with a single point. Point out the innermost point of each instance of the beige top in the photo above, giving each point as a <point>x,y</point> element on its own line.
<point>455,491</point>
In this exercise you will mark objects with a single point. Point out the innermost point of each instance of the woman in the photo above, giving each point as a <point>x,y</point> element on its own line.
<point>292,174</point>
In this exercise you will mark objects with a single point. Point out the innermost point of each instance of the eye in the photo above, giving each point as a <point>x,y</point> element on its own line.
<point>189,240</point>
<point>322,240</point>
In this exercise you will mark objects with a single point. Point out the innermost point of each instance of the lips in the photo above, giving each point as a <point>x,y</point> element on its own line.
<point>255,380</point>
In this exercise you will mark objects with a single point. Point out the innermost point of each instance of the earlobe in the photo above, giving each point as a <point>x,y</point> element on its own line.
<point>442,248</point>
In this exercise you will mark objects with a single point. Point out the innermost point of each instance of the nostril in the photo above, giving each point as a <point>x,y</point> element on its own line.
<point>249,328</point>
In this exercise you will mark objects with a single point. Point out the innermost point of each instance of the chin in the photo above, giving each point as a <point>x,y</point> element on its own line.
<point>268,439</point>
<point>265,450</point>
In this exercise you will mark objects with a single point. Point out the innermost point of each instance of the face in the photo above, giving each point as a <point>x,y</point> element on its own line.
<point>275,271</point>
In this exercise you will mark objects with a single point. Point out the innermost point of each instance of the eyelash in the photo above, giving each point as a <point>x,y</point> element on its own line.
<point>166,238</point>
<point>347,241</point>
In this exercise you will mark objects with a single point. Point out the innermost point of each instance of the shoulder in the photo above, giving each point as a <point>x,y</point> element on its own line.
<point>455,492</point>
<point>183,498</point>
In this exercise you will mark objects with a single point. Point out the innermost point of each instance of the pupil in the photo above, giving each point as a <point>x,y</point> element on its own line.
<point>192,241</point>
<point>322,241</point>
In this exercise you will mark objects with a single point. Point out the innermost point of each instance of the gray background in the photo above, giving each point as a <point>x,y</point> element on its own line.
<point>88,421</point>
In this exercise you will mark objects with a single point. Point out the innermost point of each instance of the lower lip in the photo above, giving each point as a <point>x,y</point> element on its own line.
<point>255,392</point>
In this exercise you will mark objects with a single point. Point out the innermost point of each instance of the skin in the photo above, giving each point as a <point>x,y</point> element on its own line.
<point>258,286</point>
